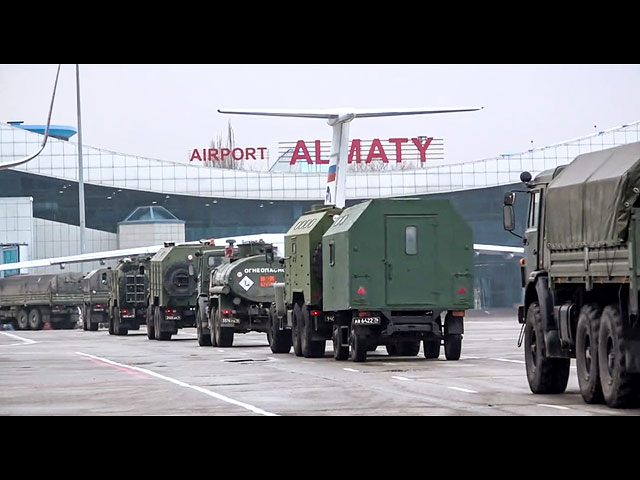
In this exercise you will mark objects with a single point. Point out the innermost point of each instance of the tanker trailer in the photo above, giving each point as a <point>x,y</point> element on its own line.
<point>95,290</point>
<point>241,293</point>
<point>128,295</point>
<point>30,301</point>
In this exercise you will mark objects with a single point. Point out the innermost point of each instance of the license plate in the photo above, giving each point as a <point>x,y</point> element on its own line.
<point>174,318</point>
<point>230,321</point>
<point>366,321</point>
<point>99,309</point>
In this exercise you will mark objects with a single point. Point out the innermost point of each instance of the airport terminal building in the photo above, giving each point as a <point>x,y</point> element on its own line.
<point>39,215</point>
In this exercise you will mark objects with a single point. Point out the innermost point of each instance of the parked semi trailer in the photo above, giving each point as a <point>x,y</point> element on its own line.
<point>31,301</point>
<point>581,276</point>
<point>390,272</point>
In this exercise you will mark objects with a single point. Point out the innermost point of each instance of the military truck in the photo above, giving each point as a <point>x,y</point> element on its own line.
<point>95,290</point>
<point>241,293</point>
<point>128,294</point>
<point>390,272</point>
<point>31,301</point>
<point>580,275</point>
<point>173,287</point>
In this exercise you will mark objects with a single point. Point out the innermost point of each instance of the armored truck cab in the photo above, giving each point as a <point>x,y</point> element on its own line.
<point>378,273</point>
<point>241,293</point>
<point>580,276</point>
<point>30,301</point>
<point>173,288</point>
<point>95,290</point>
<point>128,295</point>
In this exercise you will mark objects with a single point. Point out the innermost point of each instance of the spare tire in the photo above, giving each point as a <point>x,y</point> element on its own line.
<point>177,281</point>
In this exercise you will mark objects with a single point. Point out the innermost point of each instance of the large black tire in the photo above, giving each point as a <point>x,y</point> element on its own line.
<point>619,387</point>
<point>310,348</point>
<point>452,346</point>
<point>279,340</point>
<point>224,335</point>
<point>85,318</point>
<point>118,329</point>
<point>340,352</point>
<point>151,323</point>
<point>587,353</point>
<point>431,347</point>
<point>358,343</point>
<point>93,326</point>
<point>212,329</point>
<point>410,348</point>
<point>158,316</point>
<point>204,339</point>
<point>545,375</point>
<point>35,319</point>
<point>22,319</point>
<point>296,340</point>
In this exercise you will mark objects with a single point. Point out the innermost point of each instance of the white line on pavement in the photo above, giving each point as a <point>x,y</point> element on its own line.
<point>183,384</point>
<point>558,407</point>
<point>351,370</point>
<point>25,341</point>
<point>465,390</point>
<point>400,378</point>
<point>507,360</point>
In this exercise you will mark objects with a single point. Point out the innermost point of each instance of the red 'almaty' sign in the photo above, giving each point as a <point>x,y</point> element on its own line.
<point>376,151</point>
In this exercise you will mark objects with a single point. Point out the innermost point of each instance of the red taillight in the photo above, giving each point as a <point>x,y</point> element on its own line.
<point>124,310</point>
<point>362,291</point>
<point>462,290</point>
<point>315,313</point>
<point>226,312</point>
<point>171,311</point>
<point>364,314</point>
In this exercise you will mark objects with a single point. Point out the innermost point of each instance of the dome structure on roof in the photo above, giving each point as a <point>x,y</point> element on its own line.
<point>150,225</point>
<point>151,214</point>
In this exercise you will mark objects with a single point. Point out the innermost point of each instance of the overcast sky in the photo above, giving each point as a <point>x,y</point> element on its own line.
<point>165,111</point>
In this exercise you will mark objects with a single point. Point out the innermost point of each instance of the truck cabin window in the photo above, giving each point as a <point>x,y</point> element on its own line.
<point>411,240</point>
<point>534,210</point>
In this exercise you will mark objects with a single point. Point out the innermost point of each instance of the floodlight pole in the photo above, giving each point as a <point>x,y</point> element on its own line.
<point>80,168</point>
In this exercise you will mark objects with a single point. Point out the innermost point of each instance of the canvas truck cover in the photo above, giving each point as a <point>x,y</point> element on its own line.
<point>589,203</point>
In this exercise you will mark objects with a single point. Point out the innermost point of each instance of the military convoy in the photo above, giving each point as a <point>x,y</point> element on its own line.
<point>580,276</point>
<point>29,302</point>
<point>95,290</point>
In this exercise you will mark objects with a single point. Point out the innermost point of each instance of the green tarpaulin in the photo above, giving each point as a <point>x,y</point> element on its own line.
<point>589,203</point>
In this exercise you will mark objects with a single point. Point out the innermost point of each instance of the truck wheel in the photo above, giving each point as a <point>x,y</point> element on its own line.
<point>310,348</point>
<point>151,330</point>
<point>93,326</point>
<point>545,375</point>
<point>392,349</point>
<point>110,322</point>
<point>587,353</point>
<point>452,346</point>
<point>431,347</point>
<point>35,319</point>
<point>358,343</point>
<point>85,318</point>
<point>279,340</point>
<point>224,336</point>
<point>340,352</point>
<point>212,327</point>
<point>618,386</point>
<point>295,330</point>
<point>118,329</point>
<point>204,339</point>
<point>158,317</point>
<point>22,319</point>
<point>410,348</point>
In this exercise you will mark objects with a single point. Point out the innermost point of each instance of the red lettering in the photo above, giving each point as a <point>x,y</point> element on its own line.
<point>233,153</point>
<point>195,154</point>
<point>296,155</point>
<point>224,152</point>
<point>318,159</point>
<point>355,149</point>
<point>212,152</point>
<point>376,145</point>
<point>262,149</point>
<point>398,142</point>
<point>422,148</point>
<point>251,152</point>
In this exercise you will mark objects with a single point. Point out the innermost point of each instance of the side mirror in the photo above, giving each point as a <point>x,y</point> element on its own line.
<point>508,218</point>
<point>510,198</point>
<point>268,255</point>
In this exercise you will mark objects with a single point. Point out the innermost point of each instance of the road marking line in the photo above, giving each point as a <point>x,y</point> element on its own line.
<point>553,406</point>
<point>507,360</point>
<point>470,358</point>
<point>221,351</point>
<point>400,378</point>
<point>184,384</point>
<point>26,341</point>
<point>465,390</point>
<point>351,370</point>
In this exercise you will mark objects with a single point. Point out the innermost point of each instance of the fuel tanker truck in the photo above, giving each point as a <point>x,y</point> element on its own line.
<point>95,290</point>
<point>128,294</point>
<point>241,293</point>
<point>30,301</point>
<point>390,272</point>
<point>581,276</point>
<point>173,286</point>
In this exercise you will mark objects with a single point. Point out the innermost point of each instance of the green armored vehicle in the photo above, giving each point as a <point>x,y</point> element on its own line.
<point>173,287</point>
<point>382,272</point>
<point>581,276</point>
<point>241,293</point>
<point>95,289</point>
<point>128,295</point>
<point>30,301</point>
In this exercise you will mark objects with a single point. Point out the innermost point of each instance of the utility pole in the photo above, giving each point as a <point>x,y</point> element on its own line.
<point>80,168</point>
